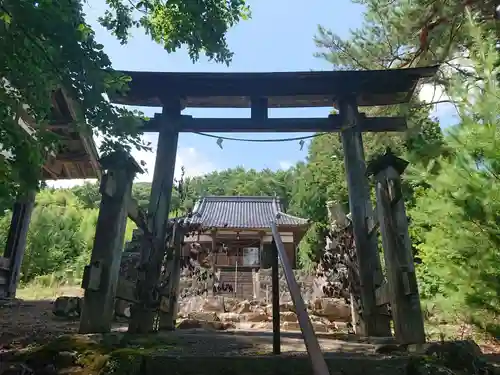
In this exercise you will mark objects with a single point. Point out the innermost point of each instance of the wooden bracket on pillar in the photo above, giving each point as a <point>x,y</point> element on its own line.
<point>92,276</point>
<point>101,276</point>
<point>402,281</point>
<point>373,319</point>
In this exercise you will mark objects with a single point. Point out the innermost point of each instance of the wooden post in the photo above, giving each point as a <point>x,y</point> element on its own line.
<point>214,260</point>
<point>168,315</point>
<point>16,241</point>
<point>402,281</point>
<point>100,278</point>
<point>257,291</point>
<point>144,313</point>
<point>275,291</point>
<point>373,320</point>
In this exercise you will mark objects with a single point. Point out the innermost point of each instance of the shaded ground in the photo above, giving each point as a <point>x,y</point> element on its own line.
<point>24,323</point>
<point>30,336</point>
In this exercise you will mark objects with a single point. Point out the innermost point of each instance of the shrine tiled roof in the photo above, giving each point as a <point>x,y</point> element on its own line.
<point>242,212</point>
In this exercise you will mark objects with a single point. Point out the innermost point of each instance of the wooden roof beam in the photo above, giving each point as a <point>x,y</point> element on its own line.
<point>332,123</point>
<point>282,89</point>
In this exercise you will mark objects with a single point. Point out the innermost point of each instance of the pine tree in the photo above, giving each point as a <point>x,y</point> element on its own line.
<point>459,214</point>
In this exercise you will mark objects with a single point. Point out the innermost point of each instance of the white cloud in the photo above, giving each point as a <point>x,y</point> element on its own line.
<point>431,93</point>
<point>285,165</point>
<point>195,163</point>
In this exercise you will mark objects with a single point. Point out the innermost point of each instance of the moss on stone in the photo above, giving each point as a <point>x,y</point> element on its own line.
<point>93,354</point>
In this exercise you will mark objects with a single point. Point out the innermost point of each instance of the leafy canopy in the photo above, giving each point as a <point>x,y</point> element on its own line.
<point>48,45</point>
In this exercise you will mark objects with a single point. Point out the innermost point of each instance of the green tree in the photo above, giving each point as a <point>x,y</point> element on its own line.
<point>459,211</point>
<point>48,45</point>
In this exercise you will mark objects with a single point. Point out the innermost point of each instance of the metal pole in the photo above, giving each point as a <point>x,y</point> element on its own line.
<point>275,291</point>
<point>236,278</point>
<point>310,339</point>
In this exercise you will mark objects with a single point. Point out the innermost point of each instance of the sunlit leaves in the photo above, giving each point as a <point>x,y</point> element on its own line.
<point>48,45</point>
<point>200,26</point>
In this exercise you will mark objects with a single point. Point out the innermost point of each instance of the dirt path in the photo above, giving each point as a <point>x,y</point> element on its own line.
<point>24,323</point>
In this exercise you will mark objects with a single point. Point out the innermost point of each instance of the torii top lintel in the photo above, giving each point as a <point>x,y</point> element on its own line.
<point>282,89</point>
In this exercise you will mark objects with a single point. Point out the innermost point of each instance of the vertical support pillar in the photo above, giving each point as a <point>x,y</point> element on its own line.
<point>257,293</point>
<point>214,261</point>
<point>143,314</point>
<point>373,320</point>
<point>100,278</point>
<point>275,284</point>
<point>402,281</point>
<point>16,242</point>
<point>168,315</point>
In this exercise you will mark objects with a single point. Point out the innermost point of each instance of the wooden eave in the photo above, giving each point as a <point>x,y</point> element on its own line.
<point>281,89</point>
<point>77,156</point>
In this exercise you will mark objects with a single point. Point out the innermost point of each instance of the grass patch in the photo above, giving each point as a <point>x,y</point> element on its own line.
<point>48,288</point>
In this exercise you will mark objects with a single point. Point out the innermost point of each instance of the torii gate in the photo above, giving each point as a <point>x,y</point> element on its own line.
<point>261,91</point>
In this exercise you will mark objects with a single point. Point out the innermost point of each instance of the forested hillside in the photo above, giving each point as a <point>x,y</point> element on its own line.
<point>452,186</point>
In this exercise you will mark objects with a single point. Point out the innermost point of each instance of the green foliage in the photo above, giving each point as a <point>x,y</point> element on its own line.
<point>63,223</point>
<point>458,214</point>
<point>60,236</point>
<point>452,184</point>
<point>48,45</point>
<point>199,25</point>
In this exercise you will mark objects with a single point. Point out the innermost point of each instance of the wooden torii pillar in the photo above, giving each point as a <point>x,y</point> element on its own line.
<point>373,320</point>
<point>143,314</point>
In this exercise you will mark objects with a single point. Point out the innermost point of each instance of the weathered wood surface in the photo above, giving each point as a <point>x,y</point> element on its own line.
<point>100,279</point>
<point>382,294</point>
<point>4,263</point>
<point>332,123</point>
<point>126,290</point>
<point>138,216</point>
<point>16,243</point>
<point>168,312</point>
<point>283,89</point>
<point>402,282</point>
<point>373,320</point>
<point>153,251</point>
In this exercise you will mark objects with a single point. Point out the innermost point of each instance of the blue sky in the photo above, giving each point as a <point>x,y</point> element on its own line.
<point>279,37</point>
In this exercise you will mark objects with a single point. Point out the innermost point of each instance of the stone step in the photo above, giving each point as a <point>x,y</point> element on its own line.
<point>289,364</point>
